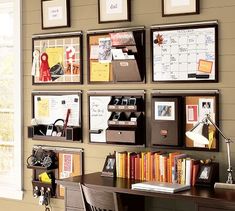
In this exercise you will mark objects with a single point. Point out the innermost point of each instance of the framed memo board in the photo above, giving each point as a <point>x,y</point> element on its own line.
<point>57,58</point>
<point>186,52</point>
<point>175,112</point>
<point>116,55</point>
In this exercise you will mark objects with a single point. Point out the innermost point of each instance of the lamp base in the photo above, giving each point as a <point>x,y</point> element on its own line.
<point>220,185</point>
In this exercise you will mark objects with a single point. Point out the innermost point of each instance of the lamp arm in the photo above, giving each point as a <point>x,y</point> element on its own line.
<point>217,128</point>
<point>227,141</point>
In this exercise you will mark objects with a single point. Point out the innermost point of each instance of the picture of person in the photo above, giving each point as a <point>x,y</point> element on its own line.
<point>205,172</point>
<point>110,164</point>
<point>164,110</point>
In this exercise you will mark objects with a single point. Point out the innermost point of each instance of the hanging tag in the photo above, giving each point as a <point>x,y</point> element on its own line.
<point>35,65</point>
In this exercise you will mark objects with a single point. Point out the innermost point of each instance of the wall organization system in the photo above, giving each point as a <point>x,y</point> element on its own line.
<point>84,17</point>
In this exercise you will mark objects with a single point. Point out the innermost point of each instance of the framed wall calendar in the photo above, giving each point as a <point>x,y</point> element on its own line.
<point>186,52</point>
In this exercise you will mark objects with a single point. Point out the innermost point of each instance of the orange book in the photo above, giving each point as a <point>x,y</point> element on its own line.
<point>157,166</point>
<point>152,177</point>
<point>171,166</point>
<point>142,165</point>
<point>148,167</point>
<point>164,169</point>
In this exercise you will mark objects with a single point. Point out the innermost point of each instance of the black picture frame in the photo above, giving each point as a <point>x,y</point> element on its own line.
<point>191,9</point>
<point>52,8</point>
<point>109,169</point>
<point>104,17</point>
<point>208,174</point>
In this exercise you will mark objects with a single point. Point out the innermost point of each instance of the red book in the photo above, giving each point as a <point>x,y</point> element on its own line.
<point>132,165</point>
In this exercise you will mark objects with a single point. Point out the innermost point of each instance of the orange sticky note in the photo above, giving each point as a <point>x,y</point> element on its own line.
<point>205,66</point>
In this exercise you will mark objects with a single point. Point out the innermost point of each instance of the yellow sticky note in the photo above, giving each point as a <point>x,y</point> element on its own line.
<point>55,56</point>
<point>43,108</point>
<point>99,71</point>
<point>205,66</point>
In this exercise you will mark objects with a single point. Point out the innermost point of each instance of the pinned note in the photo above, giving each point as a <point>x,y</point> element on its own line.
<point>99,71</point>
<point>205,66</point>
<point>55,56</point>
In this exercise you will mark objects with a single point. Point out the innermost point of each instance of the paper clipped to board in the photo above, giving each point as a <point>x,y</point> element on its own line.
<point>99,71</point>
<point>160,187</point>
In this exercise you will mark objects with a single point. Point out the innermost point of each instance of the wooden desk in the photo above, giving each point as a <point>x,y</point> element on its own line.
<point>205,199</point>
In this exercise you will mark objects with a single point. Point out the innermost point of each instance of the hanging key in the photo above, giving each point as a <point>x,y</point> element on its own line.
<point>42,196</point>
<point>36,192</point>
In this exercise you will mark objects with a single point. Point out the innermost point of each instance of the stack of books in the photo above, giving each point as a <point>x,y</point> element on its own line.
<point>174,167</point>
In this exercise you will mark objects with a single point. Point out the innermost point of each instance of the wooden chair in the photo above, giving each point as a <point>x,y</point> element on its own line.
<point>97,200</point>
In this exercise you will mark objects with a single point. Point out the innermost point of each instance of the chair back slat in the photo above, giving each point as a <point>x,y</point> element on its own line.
<point>99,200</point>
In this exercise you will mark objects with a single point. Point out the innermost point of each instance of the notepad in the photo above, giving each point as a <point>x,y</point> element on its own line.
<point>160,187</point>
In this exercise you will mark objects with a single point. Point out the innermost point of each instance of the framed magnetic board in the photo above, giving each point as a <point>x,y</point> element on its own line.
<point>186,52</point>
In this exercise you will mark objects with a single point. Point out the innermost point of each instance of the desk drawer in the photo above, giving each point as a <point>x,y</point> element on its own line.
<point>121,136</point>
<point>73,198</point>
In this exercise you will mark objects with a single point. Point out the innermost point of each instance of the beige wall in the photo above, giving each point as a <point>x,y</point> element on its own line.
<point>144,12</point>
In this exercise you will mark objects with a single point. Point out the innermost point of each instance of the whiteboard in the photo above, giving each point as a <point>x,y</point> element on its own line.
<point>185,54</point>
<point>99,116</point>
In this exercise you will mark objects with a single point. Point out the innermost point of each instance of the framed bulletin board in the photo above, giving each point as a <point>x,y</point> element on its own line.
<point>116,55</point>
<point>57,58</point>
<point>174,112</point>
<point>186,52</point>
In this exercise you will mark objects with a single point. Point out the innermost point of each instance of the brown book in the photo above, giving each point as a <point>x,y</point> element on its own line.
<point>195,169</point>
<point>132,165</point>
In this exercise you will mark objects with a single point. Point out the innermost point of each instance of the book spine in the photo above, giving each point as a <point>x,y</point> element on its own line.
<point>183,171</point>
<point>188,172</point>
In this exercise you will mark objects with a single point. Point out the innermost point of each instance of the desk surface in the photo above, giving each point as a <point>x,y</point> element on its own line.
<point>120,185</point>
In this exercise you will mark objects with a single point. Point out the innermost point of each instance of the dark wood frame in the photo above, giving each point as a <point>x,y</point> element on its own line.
<point>68,24</point>
<point>197,11</point>
<point>109,172</point>
<point>60,35</point>
<point>112,21</point>
<point>212,177</point>
<point>75,129</point>
<point>116,93</point>
<point>182,94</point>
<point>101,32</point>
<point>194,25</point>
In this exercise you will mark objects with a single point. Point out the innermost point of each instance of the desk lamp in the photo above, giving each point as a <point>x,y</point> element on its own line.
<point>197,135</point>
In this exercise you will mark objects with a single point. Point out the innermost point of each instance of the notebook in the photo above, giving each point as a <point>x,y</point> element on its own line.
<point>160,187</point>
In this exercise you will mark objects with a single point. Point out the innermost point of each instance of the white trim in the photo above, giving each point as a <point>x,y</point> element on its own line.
<point>15,191</point>
<point>11,193</point>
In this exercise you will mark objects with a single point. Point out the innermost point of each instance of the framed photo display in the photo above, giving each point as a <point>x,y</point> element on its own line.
<point>114,10</point>
<point>57,58</point>
<point>182,7</point>
<point>208,174</point>
<point>185,52</point>
<point>109,169</point>
<point>55,13</point>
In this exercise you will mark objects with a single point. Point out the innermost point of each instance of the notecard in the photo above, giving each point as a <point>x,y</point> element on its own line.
<point>99,71</point>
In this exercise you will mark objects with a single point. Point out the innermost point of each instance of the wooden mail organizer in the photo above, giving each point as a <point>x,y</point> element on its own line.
<point>56,116</point>
<point>117,116</point>
<point>175,112</point>
<point>116,55</point>
<point>50,163</point>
